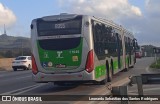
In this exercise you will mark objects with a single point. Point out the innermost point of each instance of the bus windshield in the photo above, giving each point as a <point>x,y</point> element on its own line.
<point>59,27</point>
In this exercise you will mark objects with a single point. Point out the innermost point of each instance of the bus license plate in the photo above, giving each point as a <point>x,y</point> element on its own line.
<point>60,66</point>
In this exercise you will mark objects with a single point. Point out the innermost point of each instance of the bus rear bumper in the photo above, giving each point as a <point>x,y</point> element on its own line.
<point>78,76</point>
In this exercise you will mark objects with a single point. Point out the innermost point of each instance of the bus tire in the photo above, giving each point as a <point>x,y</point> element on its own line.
<point>103,82</point>
<point>59,83</point>
<point>132,66</point>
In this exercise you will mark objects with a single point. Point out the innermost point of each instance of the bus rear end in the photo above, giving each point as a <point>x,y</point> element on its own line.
<point>58,49</point>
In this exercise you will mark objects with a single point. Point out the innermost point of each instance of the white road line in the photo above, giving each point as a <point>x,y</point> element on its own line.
<point>27,90</point>
<point>23,90</point>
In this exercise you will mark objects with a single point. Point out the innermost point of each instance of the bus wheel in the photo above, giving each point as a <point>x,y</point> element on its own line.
<point>59,83</point>
<point>103,82</point>
<point>109,72</point>
<point>132,66</point>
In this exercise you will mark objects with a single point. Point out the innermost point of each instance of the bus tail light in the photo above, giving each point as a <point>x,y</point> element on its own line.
<point>90,62</point>
<point>34,66</point>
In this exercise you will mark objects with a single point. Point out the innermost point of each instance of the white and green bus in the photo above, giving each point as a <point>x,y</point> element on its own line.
<point>79,48</point>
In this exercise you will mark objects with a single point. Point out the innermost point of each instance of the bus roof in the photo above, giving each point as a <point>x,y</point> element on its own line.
<point>66,16</point>
<point>59,17</point>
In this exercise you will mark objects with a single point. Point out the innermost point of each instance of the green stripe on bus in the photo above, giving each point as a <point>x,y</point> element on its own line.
<point>100,71</point>
<point>70,58</point>
<point>115,65</point>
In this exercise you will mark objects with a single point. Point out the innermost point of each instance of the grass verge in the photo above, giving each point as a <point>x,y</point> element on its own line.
<point>155,65</point>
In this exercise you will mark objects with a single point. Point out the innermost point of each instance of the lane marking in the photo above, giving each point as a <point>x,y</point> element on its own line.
<point>29,89</point>
<point>23,90</point>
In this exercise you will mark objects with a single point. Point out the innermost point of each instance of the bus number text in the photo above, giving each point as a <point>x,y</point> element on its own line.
<point>59,26</point>
<point>74,51</point>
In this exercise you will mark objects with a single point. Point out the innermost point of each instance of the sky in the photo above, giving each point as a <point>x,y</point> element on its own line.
<point>142,17</point>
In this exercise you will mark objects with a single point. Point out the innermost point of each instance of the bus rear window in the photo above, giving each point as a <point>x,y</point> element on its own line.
<point>59,44</point>
<point>59,27</point>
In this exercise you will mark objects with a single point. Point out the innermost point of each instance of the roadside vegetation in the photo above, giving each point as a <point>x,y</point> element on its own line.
<point>155,65</point>
<point>12,53</point>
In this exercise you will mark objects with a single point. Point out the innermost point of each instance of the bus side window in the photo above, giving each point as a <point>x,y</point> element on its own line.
<point>98,39</point>
<point>105,39</point>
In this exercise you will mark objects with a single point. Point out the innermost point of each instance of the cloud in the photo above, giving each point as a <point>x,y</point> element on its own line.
<point>7,17</point>
<point>143,21</point>
<point>112,9</point>
<point>153,8</point>
<point>146,27</point>
<point>136,10</point>
<point>151,31</point>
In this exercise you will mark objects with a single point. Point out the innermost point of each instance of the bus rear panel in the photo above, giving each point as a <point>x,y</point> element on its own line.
<point>59,49</point>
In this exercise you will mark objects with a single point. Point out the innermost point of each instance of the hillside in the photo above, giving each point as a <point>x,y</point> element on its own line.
<point>7,42</point>
<point>11,46</point>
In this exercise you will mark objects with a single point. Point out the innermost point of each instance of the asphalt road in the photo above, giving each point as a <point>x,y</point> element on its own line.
<point>20,83</point>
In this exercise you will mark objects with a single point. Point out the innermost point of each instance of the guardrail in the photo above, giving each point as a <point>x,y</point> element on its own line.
<point>122,89</point>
